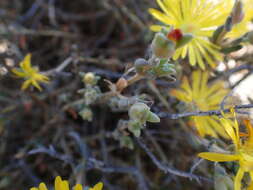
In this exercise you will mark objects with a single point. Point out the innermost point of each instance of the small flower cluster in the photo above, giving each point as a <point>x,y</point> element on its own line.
<point>30,74</point>
<point>64,185</point>
<point>90,93</point>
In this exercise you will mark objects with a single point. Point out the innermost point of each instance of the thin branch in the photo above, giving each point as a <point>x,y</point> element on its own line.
<point>167,169</point>
<point>203,113</point>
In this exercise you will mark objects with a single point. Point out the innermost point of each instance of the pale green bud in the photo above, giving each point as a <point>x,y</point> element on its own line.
<point>163,68</point>
<point>89,78</point>
<point>162,47</point>
<point>139,111</point>
<point>153,118</point>
<point>141,65</point>
<point>86,114</point>
<point>90,96</point>
<point>186,38</point>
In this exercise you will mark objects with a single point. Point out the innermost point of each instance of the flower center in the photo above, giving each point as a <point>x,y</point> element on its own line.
<point>189,28</point>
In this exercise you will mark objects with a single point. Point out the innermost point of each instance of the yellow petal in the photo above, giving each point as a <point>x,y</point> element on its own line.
<point>238,179</point>
<point>35,83</point>
<point>230,131</point>
<point>218,157</point>
<point>64,185</point>
<point>26,63</point>
<point>247,158</point>
<point>42,186</point>
<point>78,187</point>
<point>160,16</point>
<point>34,188</point>
<point>186,87</point>
<point>57,183</point>
<point>181,95</point>
<point>98,186</point>
<point>203,85</point>
<point>196,79</point>
<point>156,28</point>
<point>26,84</point>
<point>18,73</point>
<point>250,132</point>
<point>192,55</point>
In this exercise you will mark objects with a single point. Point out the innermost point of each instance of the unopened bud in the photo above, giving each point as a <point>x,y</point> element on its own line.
<point>89,78</point>
<point>175,35</point>
<point>141,65</point>
<point>139,111</point>
<point>91,95</point>
<point>164,68</point>
<point>165,31</point>
<point>237,12</point>
<point>86,114</point>
<point>186,38</point>
<point>153,118</point>
<point>162,47</point>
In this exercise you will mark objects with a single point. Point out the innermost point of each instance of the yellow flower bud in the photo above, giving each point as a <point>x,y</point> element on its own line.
<point>89,78</point>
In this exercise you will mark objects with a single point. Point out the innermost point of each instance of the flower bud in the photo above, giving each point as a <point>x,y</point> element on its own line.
<point>86,114</point>
<point>165,31</point>
<point>139,111</point>
<point>153,118</point>
<point>91,95</point>
<point>175,35</point>
<point>163,68</point>
<point>162,47</point>
<point>141,65</point>
<point>89,78</point>
<point>237,12</point>
<point>186,38</point>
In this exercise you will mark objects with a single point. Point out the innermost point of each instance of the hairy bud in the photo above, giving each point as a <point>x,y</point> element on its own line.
<point>86,114</point>
<point>237,12</point>
<point>162,47</point>
<point>141,65</point>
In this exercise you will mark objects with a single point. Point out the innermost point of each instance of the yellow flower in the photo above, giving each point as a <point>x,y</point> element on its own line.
<point>202,97</point>
<point>243,27</point>
<point>198,17</point>
<point>64,185</point>
<point>98,186</point>
<point>30,74</point>
<point>243,152</point>
<point>59,184</point>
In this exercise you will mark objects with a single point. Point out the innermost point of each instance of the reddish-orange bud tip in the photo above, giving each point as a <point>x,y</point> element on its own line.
<point>175,35</point>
